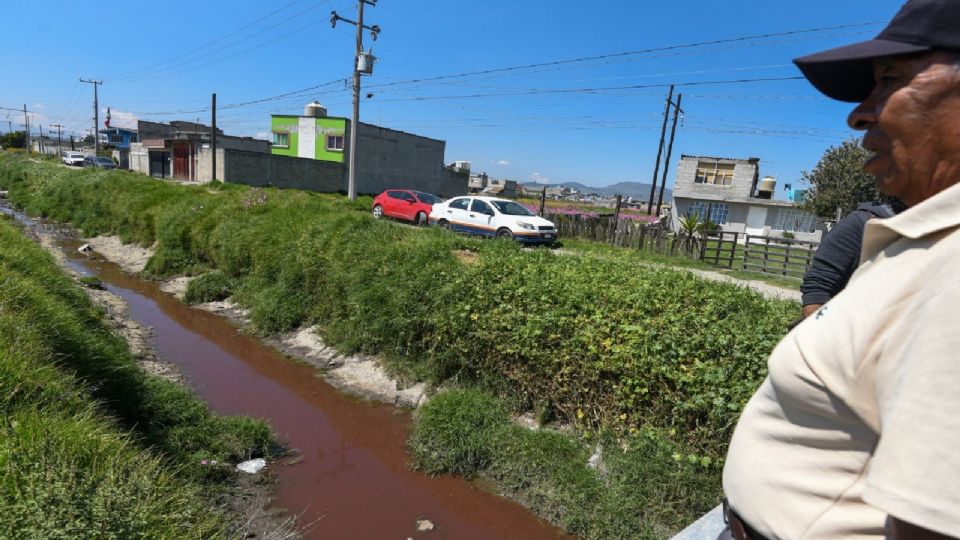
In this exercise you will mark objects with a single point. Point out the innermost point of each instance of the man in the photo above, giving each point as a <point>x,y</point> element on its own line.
<point>855,433</point>
<point>838,256</point>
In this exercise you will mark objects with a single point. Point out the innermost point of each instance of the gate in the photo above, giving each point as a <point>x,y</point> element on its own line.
<point>181,160</point>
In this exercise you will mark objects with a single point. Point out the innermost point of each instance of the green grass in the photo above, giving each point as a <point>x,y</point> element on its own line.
<point>643,487</point>
<point>597,341</point>
<point>91,446</point>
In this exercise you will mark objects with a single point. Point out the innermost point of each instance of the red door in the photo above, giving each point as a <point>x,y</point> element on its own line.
<point>181,161</point>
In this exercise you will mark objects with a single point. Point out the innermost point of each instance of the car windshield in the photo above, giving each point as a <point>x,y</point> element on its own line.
<point>511,208</point>
<point>104,160</point>
<point>427,198</point>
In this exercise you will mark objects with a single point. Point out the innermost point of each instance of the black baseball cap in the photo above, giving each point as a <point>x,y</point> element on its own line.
<point>846,73</point>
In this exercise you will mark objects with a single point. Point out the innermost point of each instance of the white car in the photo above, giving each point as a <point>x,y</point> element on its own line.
<point>70,157</point>
<point>490,216</point>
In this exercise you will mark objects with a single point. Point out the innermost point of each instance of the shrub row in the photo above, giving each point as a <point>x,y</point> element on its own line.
<point>597,340</point>
<point>90,445</point>
<point>639,487</point>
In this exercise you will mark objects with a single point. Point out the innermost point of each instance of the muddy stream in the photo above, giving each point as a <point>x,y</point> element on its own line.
<point>353,480</point>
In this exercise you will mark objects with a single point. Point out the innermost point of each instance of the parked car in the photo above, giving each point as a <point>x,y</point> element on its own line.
<point>69,157</point>
<point>99,162</point>
<point>405,204</point>
<point>490,216</point>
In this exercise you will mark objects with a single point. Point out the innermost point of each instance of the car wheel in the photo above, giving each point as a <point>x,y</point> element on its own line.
<point>504,233</point>
<point>421,219</point>
<point>445,224</point>
<point>377,211</point>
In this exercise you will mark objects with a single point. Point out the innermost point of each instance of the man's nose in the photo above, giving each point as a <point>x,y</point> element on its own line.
<point>864,115</point>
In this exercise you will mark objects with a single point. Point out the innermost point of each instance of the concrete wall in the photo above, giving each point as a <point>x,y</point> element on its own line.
<point>139,159</point>
<point>258,169</point>
<point>737,219</point>
<point>744,174</point>
<point>394,159</point>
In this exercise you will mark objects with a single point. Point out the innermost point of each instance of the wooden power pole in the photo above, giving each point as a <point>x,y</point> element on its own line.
<point>677,111</point>
<point>213,136</point>
<point>663,133</point>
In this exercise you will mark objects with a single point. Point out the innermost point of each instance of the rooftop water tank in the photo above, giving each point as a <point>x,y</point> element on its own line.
<point>767,186</point>
<point>315,109</point>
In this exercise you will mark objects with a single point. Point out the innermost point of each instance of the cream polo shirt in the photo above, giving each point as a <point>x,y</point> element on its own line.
<point>859,416</point>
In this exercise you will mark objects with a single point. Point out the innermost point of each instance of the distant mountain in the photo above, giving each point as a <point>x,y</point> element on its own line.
<point>637,190</point>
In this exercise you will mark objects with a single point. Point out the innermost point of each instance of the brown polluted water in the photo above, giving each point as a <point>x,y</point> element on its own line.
<point>354,479</point>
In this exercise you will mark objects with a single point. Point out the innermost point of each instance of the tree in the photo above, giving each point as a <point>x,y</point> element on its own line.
<point>13,139</point>
<point>838,181</point>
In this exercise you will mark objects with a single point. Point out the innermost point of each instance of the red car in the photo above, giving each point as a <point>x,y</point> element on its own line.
<point>405,204</point>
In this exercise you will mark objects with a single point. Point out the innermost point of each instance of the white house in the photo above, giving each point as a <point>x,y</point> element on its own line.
<point>730,193</point>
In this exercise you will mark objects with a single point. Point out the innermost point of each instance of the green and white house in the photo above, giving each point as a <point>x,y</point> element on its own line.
<point>312,136</point>
<point>387,158</point>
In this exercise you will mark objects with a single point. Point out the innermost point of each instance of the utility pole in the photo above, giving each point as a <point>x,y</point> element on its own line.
<point>663,133</point>
<point>677,111</point>
<point>40,140</point>
<point>543,200</point>
<point>26,129</point>
<point>355,119</point>
<point>213,136</point>
<point>59,137</point>
<point>96,115</point>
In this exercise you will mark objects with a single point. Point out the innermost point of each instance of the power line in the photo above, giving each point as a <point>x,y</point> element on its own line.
<point>215,41</point>
<point>160,73</point>
<point>629,53</point>
<point>244,103</point>
<point>597,90</point>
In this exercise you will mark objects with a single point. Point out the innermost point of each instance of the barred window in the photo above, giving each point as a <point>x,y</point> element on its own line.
<point>794,220</point>
<point>718,211</point>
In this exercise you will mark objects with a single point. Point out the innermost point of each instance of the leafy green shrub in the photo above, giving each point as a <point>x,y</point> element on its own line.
<point>641,487</point>
<point>456,431</point>
<point>210,287</point>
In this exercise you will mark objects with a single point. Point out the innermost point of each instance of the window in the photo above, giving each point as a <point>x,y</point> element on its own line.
<point>281,139</point>
<point>718,174</point>
<point>794,220</point>
<point>459,204</point>
<point>718,211</point>
<point>115,139</point>
<point>481,207</point>
<point>335,142</point>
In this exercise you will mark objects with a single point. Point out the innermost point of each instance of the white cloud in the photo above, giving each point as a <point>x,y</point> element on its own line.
<point>503,162</point>
<point>537,177</point>
<point>119,118</point>
<point>264,135</point>
<point>39,106</point>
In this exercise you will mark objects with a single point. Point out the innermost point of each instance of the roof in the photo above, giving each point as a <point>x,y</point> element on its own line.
<point>738,200</point>
<point>752,160</point>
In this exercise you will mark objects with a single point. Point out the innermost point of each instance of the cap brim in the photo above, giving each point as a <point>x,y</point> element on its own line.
<point>846,73</point>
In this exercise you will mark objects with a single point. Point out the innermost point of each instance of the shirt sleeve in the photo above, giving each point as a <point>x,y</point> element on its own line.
<point>914,474</point>
<point>835,260</point>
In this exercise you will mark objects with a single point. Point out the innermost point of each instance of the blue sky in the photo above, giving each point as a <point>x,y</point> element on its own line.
<point>570,121</point>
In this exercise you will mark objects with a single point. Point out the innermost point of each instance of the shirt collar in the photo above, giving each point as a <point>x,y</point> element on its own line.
<point>942,211</point>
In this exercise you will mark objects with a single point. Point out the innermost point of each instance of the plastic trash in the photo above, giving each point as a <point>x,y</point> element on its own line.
<point>86,248</point>
<point>252,466</point>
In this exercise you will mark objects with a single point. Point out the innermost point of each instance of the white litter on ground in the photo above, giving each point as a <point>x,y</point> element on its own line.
<point>252,466</point>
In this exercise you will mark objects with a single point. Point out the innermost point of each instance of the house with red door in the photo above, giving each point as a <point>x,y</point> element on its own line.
<point>181,150</point>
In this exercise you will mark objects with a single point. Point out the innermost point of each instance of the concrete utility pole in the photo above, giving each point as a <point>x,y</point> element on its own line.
<point>26,129</point>
<point>355,118</point>
<point>59,136</point>
<point>677,111</point>
<point>96,115</point>
<point>213,136</point>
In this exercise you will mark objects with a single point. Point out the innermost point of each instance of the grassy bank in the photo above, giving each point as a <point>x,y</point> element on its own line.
<point>91,446</point>
<point>616,349</point>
